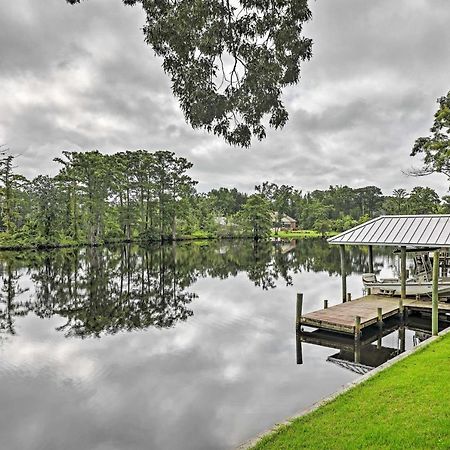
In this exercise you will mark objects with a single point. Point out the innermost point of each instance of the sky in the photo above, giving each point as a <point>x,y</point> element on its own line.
<point>82,78</point>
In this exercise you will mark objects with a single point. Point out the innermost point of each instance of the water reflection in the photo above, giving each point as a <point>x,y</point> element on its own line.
<point>376,346</point>
<point>196,351</point>
<point>104,290</point>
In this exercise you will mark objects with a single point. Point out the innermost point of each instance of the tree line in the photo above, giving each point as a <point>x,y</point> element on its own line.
<point>150,196</point>
<point>108,289</point>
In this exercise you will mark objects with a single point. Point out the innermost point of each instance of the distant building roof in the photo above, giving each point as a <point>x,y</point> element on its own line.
<point>288,219</point>
<point>430,230</point>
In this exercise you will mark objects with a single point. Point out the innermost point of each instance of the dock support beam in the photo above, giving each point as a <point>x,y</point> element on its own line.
<point>343,273</point>
<point>370,258</point>
<point>435,297</point>
<point>380,317</point>
<point>357,327</point>
<point>369,290</point>
<point>402,279</point>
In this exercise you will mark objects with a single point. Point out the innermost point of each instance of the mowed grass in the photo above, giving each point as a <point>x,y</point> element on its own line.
<point>406,406</point>
<point>299,234</point>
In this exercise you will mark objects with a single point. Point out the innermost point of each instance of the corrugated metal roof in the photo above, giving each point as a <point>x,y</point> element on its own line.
<point>430,230</point>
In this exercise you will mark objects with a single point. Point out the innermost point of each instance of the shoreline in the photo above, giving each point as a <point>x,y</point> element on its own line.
<point>302,234</point>
<point>288,423</point>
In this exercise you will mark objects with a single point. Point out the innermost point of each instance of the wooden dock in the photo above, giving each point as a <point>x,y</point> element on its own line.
<point>343,317</point>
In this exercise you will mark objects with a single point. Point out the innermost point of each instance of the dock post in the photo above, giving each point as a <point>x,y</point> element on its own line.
<point>402,279</point>
<point>380,316</point>
<point>435,296</point>
<point>349,296</point>
<point>299,310</point>
<point>325,304</point>
<point>369,290</point>
<point>343,274</point>
<point>357,327</point>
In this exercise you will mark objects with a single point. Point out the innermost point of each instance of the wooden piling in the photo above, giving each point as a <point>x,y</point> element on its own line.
<point>357,327</point>
<point>435,296</point>
<point>325,304</point>
<point>299,309</point>
<point>349,296</point>
<point>402,279</point>
<point>380,316</point>
<point>371,270</point>
<point>370,258</point>
<point>343,273</point>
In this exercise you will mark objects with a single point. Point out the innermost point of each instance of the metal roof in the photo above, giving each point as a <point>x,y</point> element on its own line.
<point>431,230</point>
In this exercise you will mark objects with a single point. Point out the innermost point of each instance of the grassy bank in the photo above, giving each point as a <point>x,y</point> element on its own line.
<point>404,406</point>
<point>301,234</point>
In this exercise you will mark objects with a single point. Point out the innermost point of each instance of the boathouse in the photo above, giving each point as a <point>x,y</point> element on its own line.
<point>405,233</point>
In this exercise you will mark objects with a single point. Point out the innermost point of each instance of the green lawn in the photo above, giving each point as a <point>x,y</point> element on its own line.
<point>299,234</point>
<point>406,406</point>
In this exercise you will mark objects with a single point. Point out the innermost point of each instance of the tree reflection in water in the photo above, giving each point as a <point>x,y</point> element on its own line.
<point>104,290</point>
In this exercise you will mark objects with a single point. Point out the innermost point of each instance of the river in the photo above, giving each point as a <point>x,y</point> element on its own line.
<point>187,346</point>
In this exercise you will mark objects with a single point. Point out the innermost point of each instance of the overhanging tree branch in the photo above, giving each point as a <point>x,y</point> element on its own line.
<point>262,45</point>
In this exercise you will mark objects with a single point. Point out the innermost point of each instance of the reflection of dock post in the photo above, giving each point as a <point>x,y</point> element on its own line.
<point>402,279</point>
<point>369,290</point>
<point>299,310</point>
<point>402,338</point>
<point>435,297</point>
<point>343,274</point>
<point>298,346</point>
<point>357,339</point>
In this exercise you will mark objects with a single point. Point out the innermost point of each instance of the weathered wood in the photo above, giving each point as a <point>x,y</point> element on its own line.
<point>357,327</point>
<point>370,258</point>
<point>343,273</point>
<point>371,269</point>
<point>380,316</point>
<point>435,297</point>
<point>299,309</point>
<point>298,345</point>
<point>402,278</point>
<point>341,317</point>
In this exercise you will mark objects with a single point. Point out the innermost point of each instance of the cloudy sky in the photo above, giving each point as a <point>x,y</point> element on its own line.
<point>81,78</point>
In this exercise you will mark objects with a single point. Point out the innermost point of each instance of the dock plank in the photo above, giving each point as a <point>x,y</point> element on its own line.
<point>341,317</point>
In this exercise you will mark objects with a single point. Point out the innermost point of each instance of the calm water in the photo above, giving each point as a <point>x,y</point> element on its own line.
<point>176,347</point>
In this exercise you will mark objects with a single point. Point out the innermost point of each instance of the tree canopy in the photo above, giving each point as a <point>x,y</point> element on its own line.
<point>142,196</point>
<point>435,148</point>
<point>229,61</point>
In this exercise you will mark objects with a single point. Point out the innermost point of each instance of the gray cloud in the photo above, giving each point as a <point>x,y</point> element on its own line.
<point>82,78</point>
